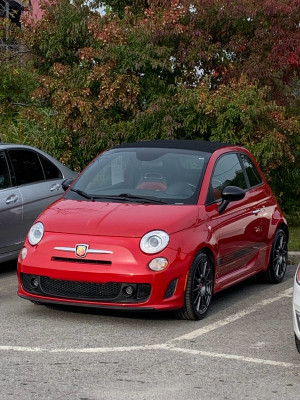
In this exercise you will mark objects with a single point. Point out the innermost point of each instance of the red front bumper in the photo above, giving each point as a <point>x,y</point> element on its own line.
<point>124,265</point>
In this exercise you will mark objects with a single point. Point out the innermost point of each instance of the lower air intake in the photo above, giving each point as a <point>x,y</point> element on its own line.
<point>91,291</point>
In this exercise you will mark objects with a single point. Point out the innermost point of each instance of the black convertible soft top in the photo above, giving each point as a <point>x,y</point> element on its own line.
<point>199,145</point>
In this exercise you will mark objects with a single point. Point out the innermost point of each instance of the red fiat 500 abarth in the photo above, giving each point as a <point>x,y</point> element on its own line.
<point>154,226</point>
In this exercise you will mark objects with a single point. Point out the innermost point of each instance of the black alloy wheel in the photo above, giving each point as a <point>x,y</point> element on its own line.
<point>199,289</point>
<point>278,258</point>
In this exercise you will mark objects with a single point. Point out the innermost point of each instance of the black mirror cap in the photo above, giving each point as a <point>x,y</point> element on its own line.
<point>67,183</point>
<point>230,193</point>
<point>233,193</point>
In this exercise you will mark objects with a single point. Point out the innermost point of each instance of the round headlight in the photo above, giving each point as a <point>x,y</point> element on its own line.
<point>154,242</point>
<point>36,233</point>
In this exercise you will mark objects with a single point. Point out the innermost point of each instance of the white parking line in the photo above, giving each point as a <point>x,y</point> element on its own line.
<point>233,318</point>
<point>164,346</point>
<point>235,357</point>
<point>85,350</point>
<point>170,345</point>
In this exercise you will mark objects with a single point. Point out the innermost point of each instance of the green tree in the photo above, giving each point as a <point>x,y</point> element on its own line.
<point>211,69</point>
<point>17,80</point>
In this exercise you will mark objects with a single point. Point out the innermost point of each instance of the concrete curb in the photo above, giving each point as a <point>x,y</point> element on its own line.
<point>294,257</point>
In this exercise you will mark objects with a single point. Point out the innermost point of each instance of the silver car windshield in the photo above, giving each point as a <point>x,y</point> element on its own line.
<point>146,175</point>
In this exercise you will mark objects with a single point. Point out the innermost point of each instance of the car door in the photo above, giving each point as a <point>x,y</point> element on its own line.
<point>10,211</point>
<point>39,182</point>
<point>236,229</point>
<point>262,203</point>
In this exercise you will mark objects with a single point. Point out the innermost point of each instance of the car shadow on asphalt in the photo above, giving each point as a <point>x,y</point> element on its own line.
<point>9,266</point>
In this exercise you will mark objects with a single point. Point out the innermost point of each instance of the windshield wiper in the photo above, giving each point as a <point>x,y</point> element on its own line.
<point>120,197</point>
<point>147,199</point>
<point>128,197</point>
<point>83,194</point>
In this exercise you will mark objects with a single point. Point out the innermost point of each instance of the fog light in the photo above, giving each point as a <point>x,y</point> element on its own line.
<point>23,253</point>
<point>128,291</point>
<point>34,282</point>
<point>158,264</point>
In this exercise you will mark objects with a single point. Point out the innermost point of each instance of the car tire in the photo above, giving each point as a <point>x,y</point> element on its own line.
<point>199,289</point>
<point>278,259</point>
<point>297,341</point>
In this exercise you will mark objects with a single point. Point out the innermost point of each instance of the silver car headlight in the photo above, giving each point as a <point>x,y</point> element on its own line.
<point>154,242</point>
<point>298,275</point>
<point>36,233</point>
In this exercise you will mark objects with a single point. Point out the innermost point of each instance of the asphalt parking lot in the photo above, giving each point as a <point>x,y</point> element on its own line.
<point>243,349</point>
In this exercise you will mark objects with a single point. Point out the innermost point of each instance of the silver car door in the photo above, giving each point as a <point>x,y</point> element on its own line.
<point>36,197</point>
<point>10,212</point>
<point>37,191</point>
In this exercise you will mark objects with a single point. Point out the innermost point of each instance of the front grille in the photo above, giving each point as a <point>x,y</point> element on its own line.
<point>143,291</point>
<point>57,287</point>
<point>80,260</point>
<point>91,291</point>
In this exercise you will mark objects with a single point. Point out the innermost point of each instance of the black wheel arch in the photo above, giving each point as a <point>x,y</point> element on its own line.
<point>285,229</point>
<point>207,251</point>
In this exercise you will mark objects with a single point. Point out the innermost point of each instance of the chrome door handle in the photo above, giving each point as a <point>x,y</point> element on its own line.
<point>256,211</point>
<point>12,199</point>
<point>56,186</point>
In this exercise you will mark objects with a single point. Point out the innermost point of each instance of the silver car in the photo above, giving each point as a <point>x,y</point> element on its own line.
<point>29,181</point>
<point>296,308</point>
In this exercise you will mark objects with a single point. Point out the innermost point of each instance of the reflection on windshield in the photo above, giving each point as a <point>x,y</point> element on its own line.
<point>157,175</point>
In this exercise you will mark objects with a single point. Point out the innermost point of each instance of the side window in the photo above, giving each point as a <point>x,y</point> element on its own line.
<point>5,180</point>
<point>228,172</point>
<point>253,175</point>
<point>27,167</point>
<point>50,170</point>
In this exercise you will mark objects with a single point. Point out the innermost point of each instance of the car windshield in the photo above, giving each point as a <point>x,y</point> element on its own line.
<point>142,175</point>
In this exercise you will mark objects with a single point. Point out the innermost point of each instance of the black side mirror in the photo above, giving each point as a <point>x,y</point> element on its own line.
<point>230,193</point>
<point>67,183</point>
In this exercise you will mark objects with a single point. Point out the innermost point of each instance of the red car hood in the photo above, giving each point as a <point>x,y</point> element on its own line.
<point>116,219</point>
